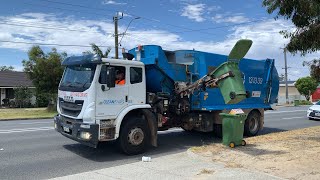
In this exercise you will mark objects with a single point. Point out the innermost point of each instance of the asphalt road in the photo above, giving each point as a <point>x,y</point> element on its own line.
<point>31,149</point>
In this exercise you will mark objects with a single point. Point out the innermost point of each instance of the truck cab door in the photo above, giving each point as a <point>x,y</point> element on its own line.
<point>137,90</point>
<point>111,101</point>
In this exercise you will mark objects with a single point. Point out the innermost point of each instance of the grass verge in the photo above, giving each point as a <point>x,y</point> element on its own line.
<point>289,154</point>
<point>26,113</point>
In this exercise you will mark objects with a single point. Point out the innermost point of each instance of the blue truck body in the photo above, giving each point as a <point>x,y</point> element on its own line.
<point>164,68</point>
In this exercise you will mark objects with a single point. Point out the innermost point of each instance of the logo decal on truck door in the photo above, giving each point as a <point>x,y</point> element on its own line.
<point>112,102</point>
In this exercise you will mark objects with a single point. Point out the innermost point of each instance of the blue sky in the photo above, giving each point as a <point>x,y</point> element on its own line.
<point>206,25</point>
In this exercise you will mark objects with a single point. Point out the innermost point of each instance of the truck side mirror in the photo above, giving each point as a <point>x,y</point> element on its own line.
<point>111,77</point>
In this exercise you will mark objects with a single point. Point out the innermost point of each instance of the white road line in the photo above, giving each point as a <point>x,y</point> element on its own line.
<point>25,130</point>
<point>277,112</point>
<point>36,123</point>
<point>294,117</point>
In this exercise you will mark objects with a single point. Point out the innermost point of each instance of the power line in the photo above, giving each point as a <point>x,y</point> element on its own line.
<point>102,9</point>
<point>49,28</point>
<point>51,7</point>
<point>217,27</point>
<point>134,15</point>
<point>81,6</point>
<point>154,20</point>
<point>47,44</point>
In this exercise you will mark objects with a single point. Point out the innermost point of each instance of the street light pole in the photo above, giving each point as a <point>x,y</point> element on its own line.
<point>127,29</point>
<point>286,73</point>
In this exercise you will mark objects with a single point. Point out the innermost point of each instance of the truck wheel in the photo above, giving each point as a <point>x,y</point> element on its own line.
<point>252,124</point>
<point>134,136</point>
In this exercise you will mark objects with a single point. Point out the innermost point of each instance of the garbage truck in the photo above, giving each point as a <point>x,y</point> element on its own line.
<point>151,89</point>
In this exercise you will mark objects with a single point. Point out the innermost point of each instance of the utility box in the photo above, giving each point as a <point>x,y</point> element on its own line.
<point>232,129</point>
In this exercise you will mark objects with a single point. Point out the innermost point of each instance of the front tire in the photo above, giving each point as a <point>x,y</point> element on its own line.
<point>134,136</point>
<point>252,124</point>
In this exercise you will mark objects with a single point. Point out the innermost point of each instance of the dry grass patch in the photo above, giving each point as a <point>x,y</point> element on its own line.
<point>291,154</point>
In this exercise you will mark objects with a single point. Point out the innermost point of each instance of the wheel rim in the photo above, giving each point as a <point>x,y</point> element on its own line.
<point>253,125</point>
<point>135,136</point>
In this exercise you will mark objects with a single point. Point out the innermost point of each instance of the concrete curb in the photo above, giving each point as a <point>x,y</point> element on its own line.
<point>37,118</point>
<point>291,105</point>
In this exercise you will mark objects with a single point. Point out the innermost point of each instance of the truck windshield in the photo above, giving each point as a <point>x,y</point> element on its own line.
<point>77,78</point>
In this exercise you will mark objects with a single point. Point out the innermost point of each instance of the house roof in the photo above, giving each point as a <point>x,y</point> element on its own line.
<point>14,79</point>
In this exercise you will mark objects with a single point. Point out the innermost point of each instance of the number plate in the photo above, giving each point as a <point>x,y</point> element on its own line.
<point>66,129</point>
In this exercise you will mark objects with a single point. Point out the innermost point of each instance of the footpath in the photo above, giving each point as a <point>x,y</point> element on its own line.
<point>186,165</point>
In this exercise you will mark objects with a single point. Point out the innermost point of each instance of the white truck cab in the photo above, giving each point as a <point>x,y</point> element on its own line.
<point>92,107</point>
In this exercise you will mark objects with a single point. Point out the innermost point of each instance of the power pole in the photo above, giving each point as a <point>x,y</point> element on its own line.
<point>286,73</point>
<point>116,35</point>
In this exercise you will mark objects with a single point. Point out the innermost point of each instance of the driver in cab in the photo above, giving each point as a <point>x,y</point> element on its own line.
<point>120,78</point>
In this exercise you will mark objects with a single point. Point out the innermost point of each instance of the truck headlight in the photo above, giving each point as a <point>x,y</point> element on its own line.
<point>85,135</point>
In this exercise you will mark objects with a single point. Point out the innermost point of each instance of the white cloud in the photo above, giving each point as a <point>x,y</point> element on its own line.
<point>214,8</point>
<point>265,35</point>
<point>111,2</point>
<point>219,18</point>
<point>194,12</point>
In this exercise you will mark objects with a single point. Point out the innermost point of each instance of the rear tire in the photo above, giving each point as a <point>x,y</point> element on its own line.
<point>252,124</point>
<point>134,136</point>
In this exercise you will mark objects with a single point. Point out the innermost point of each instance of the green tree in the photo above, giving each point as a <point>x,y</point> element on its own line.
<point>314,66</point>
<point>22,96</point>
<point>305,15</point>
<point>306,86</point>
<point>6,68</point>
<point>45,71</point>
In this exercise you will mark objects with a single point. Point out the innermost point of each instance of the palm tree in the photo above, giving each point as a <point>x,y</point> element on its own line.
<point>97,50</point>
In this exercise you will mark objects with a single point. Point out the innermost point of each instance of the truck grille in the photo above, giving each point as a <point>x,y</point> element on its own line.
<point>69,108</point>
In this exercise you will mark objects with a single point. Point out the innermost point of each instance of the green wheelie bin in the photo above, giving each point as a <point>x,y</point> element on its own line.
<point>232,129</point>
<point>231,88</point>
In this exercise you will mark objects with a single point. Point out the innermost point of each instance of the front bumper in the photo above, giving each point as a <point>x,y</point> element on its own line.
<point>311,114</point>
<point>75,127</point>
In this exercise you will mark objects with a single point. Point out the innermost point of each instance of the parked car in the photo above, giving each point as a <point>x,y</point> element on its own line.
<point>314,111</point>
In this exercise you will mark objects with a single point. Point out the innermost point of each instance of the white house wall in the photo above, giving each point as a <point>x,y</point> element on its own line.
<point>3,95</point>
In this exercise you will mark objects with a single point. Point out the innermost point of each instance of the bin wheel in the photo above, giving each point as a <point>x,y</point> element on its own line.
<point>232,95</point>
<point>232,145</point>
<point>243,143</point>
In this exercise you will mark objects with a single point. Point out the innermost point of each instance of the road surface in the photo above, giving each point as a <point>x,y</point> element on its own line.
<point>31,149</point>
